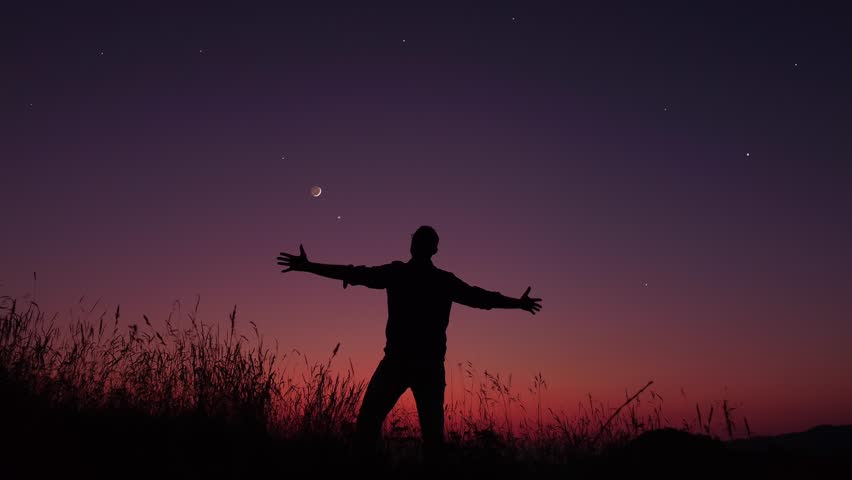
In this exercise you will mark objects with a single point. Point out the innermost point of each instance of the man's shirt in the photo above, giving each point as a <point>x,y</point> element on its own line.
<point>420,296</point>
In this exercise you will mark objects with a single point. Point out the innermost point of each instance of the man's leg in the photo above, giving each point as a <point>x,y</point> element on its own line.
<point>428,385</point>
<point>386,386</point>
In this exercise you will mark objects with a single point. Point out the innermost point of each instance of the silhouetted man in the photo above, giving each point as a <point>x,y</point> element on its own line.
<point>419,299</point>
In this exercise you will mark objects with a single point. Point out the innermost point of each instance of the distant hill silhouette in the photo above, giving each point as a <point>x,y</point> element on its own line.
<point>810,454</point>
<point>820,440</point>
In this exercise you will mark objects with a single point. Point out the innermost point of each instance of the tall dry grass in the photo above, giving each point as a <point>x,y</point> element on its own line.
<point>97,362</point>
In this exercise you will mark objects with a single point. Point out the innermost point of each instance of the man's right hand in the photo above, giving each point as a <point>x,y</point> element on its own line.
<point>531,305</point>
<point>298,263</point>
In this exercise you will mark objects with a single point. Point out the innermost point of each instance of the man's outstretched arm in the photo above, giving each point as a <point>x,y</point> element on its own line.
<point>477,297</point>
<point>373,277</point>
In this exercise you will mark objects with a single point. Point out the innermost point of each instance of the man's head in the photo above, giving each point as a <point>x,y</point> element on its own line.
<point>424,243</point>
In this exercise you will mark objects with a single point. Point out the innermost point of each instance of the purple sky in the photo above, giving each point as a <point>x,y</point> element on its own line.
<point>674,182</point>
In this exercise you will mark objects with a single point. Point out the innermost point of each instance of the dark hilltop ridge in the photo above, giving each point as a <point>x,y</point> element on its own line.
<point>819,441</point>
<point>41,440</point>
<point>36,443</point>
<point>207,403</point>
<point>822,440</point>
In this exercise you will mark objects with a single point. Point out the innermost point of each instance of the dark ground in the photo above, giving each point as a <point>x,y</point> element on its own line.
<point>38,441</point>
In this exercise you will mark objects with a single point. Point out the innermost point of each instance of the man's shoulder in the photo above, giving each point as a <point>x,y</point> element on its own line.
<point>446,274</point>
<point>399,265</point>
<point>395,265</point>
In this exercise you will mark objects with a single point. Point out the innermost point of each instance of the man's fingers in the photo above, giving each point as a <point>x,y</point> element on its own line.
<point>535,299</point>
<point>285,263</point>
<point>527,292</point>
<point>533,308</point>
<point>286,270</point>
<point>285,255</point>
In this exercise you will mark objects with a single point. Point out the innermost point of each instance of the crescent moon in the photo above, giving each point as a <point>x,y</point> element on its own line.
<point>316,191</point>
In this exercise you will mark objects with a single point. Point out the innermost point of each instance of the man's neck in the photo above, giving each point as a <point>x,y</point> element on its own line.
<point>420,261</point>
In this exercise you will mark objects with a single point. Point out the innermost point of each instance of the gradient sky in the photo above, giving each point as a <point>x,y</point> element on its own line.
<point>673,181</point>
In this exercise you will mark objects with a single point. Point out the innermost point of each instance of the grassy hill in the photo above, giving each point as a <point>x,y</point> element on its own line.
<point>104,399</point>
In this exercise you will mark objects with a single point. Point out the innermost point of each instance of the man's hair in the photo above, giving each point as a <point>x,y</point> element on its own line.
<point>424,241</point>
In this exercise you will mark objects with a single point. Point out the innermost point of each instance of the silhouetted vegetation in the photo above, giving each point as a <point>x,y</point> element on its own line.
<point>97,396</point>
